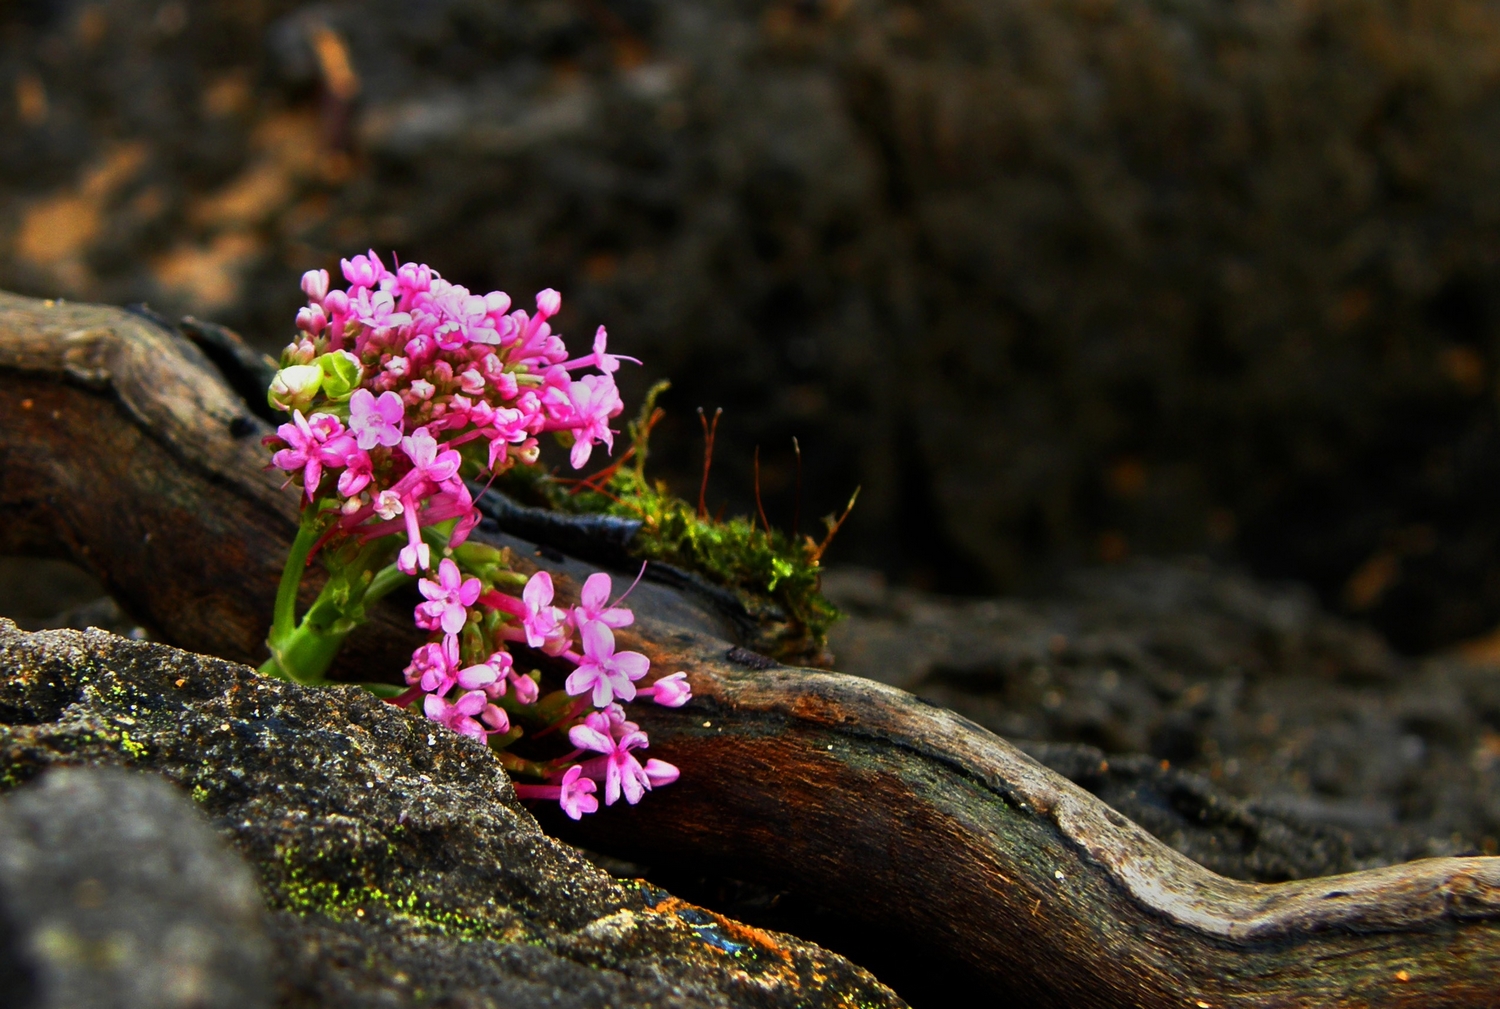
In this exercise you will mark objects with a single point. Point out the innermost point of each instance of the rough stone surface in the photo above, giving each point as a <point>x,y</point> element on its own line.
<point>121,897</point>
<point>1049,278</point>
<point>398,866</point>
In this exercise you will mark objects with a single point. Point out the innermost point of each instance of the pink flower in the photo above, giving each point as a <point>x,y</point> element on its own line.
<point>358,471</point>
<point>669,691</point>
<point>413,278</point>
<point>584,408</point>
<point>416,555</point>
<point>543,623</point>
<point>427,462</point>
<point>376,421</point>
<point>607,363</point>
<point>363,271</point>
<point>312,319</point>
<point>548,303</point>
<point>575,793</point>
<point>377,311</point>
<point>433,666</point>
<point>388,505</point>
<point>306,439</point>
<point>459,715</point>
<point>525,687</point>
<point>315,285</point>
<point>594,604</point>
<point>448,599</point>
<point>620,771</point>
<point>607,673</point>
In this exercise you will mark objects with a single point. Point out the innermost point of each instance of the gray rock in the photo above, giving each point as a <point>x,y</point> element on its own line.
<point>398,866</point>
<point>120,895</point>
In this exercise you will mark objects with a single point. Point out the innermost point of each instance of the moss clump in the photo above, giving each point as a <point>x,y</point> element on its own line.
<point>775,576</point>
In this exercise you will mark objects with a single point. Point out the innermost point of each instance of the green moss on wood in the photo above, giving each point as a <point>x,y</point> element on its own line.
<point>775,576</point>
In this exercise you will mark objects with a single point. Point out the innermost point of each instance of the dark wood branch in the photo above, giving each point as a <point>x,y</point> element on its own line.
<point>122,447</point>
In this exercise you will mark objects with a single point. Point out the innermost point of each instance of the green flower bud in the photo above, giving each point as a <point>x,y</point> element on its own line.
<point>341,374</point>
<point>294,388</point>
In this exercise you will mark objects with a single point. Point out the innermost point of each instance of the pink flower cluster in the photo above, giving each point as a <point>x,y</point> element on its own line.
<point>400,387</point>
<point>416,377</point>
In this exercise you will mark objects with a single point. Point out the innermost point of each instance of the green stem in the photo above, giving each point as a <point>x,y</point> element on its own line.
<point>284,617</point>
<point>303,650</point>
<point>387,580</point>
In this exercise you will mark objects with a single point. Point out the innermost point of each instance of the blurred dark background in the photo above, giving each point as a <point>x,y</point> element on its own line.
<point>1056,281</point>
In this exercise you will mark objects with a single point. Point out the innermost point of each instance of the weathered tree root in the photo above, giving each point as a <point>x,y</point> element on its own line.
<point>122,448</point>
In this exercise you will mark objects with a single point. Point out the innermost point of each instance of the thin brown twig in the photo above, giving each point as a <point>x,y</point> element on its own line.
<point>708,457</point>
<point>758,506</point>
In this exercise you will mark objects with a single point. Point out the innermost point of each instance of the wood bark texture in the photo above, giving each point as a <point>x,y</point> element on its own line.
<point>124,447</point>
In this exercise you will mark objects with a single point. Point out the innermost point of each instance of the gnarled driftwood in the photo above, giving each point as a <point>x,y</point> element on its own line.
<point>122,447</point>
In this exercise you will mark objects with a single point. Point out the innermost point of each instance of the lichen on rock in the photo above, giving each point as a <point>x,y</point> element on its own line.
<point>393,855</point>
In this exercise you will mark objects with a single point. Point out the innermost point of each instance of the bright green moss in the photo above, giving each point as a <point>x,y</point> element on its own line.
<point>135,748</point>
<point>303,896</point>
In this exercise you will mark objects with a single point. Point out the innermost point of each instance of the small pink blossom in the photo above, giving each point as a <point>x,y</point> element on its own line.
<point>388,505</point>
<point>363,271</point>
<point>609,674</point>
<point>416,555</point>
<point>358,471</point>
<point>575,793</point>
<point>618,767</point>
<point>669,691</point>
<point>593,604</point>
<point>376,421</point>
<point>427,461</point>
<point>448,599</point>
<point>312,319</point>
<point>605,362</point>
<point>306,439</point>
<point>459,715</point>
<point>315,285</point>
<point>434,666</point>
<point>413,278</point>
<point>595,400</point>
<point>525,687</point>
<point>543,623</point>
<point>377,310</point>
